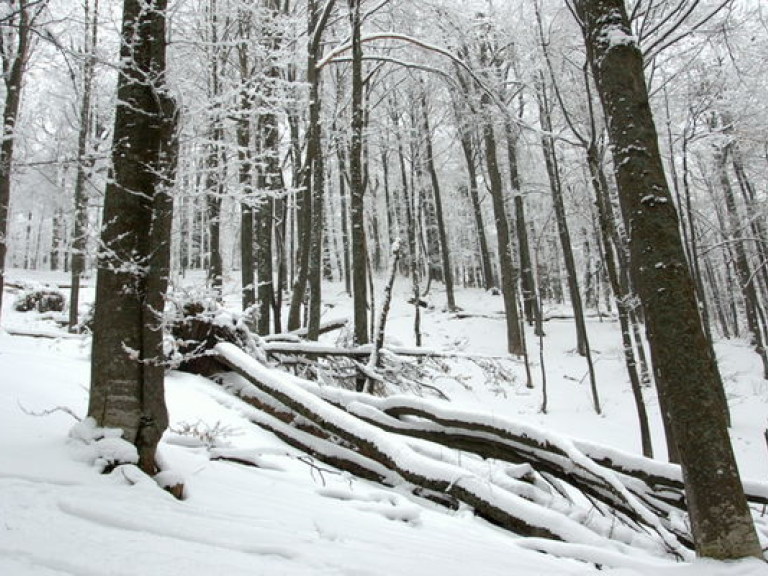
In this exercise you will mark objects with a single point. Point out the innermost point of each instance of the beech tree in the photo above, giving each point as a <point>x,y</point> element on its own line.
<point>720,518</point>
<point>127,368</point>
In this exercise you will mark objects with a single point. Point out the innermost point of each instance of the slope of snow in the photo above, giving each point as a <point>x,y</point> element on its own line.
<point>291,515</point>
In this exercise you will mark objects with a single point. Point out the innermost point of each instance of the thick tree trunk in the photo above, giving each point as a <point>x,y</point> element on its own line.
<point>245,165</point>
<point>316,173</point>
<point>127,355</point>
<point>720,518</point>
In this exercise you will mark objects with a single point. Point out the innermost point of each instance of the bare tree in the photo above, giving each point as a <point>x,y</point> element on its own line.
<point>127,388</point>
<point>720,518</point>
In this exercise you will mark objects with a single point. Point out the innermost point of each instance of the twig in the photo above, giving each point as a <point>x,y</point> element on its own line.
<point>48,412</point>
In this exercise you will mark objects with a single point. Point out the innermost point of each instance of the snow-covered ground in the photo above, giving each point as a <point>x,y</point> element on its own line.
<point>292,515</point>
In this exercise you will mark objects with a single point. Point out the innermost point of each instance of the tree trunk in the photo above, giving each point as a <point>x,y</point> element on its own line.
<point>720,518</point>
<point>599,184</point>
<point>214,195</point>
<point>270,183</point>
<point>356,181</point>
<point>530,304</point>
<point>439,216</point>
<point>216,160</point>
<point>127,355</point>
<point>485,259</point>
<point>80,217</point>
<point>747,280</point>
<point>508,282</point>
<point>550,159</point>
<point>344,217</point>
<point>245,170</point>
<point>316,173</point>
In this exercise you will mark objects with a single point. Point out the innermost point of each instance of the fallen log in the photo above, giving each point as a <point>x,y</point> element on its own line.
<point>325,327</point>
<point>313,349</point>
<point>463,315</point>
<point>504,506</point>
<point>49,334</point>
<point>516,444</point>
<point>661,479</point>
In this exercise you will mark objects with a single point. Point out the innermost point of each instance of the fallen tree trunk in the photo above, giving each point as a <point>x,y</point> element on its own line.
<point>313,349</point>
<point>503,500</point>
<point>645,477</point>
<point>325,327</point>
<point>49,334</point>
<point>506,441</point>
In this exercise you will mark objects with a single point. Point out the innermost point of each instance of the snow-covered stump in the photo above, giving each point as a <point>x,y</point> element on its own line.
<point>526,503</point>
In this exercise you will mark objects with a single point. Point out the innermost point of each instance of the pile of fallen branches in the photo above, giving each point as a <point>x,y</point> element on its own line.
<point>399,369</point>
<point>574,499</point>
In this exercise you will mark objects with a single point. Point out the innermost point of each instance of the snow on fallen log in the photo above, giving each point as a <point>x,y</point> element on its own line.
<point>658,476</point>
<point>515,443</point>
<point>245,399</point>
<point>52,334</point>
<point>325,327</point>
<point>497,505</point>
<point>661,480</point>
<point>275,345</point>
<point>315,349</point>
<point>594,556</point>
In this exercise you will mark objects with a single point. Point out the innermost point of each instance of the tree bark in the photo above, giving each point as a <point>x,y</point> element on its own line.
<point>550,159</point>
<point>515,343</point>
<point>489,281</point>
<point>80,217</point>
<point>527,283</point>
<point>356,181</point>
<point>720,518</point>
<point>316,174</point>
<point>127,355</point>
<point>216,159</point>
<point>245,161</point>
<point>439,216</point>
<point>270,183</point>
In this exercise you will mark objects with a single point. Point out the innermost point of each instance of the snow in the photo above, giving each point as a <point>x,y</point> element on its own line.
<point>289,514</point>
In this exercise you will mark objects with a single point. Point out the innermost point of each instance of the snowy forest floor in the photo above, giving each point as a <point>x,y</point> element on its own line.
<point>293,515</point>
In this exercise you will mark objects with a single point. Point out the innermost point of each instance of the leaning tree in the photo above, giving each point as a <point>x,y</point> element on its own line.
<point>687,384</point>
